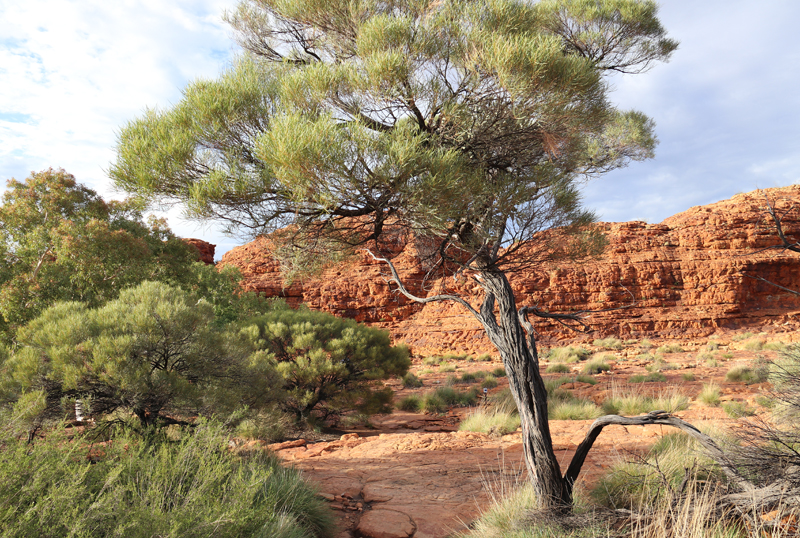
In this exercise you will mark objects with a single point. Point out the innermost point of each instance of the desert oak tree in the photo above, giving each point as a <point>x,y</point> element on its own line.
<point>471,123</point>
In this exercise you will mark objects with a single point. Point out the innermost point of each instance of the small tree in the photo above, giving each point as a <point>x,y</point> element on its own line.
<point>59,241</point>
<point>153,352</point>
<point>470,123</point>
<point>328,365</point>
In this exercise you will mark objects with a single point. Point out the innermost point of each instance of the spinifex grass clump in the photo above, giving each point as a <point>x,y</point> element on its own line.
<point>411,381</point>
<point>756,373</point>
<point>710,394</point>
<point>629,403</point>
<point>595,366</point>
<point>611,343</point>
<point>154,487</point>
<point>568,354</point>
<point>653,377</point>
<point>670,348</point>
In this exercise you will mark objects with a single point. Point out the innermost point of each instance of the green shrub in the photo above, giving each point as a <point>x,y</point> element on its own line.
<point>583,378</point>
<point>670,348</point>
<point>328,365</point>
<point>503,402</point>
<point>557,368</point>
<point>412,403</point>
<point>710,394</point>
<point>451,380</point>
<point>737,409</point>
<point>609,343</point>
<point>645,344</point>
<point>439,400</point>
<point>410,381</point>
<point>687,376</point>
<point>754,344</point>
<point>425,371</point>
<point>455,356</point>
<point>712,346</point>
<point>431,361</point>
<point>775,346</point>
<point>468,377</point>
<point>568,354</point>
<point>765,401</point>
<point>446,368</point>
<point>485,357</point>
<point>136,488</point>
<point>499,372</point>
<point>595,366</point>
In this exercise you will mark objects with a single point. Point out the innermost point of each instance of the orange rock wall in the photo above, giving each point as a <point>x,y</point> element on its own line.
<point>686,276</point>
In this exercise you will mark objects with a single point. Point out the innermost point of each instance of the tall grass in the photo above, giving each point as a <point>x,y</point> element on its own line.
<point>154,487</point>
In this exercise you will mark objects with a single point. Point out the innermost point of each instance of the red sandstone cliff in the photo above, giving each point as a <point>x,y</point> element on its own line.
<point>205,250</point>
<point>687,275</point>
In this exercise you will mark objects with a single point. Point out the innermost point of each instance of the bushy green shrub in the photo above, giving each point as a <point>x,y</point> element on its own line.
<point>155,352</point>
<point>737,409</point>
<point>489,382</point>
<point>749,375</point>
<point>572,409</point>
<point>412,403</point>
<point>710,394</point>
<point>328,365</point>
<point>490,421</point>
<point>670,348</point>
<point>632,403</point>
<point>499,372</point>
<point>143,488</point>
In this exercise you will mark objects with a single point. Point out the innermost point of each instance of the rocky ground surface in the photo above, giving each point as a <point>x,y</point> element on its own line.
<point>413,474</point>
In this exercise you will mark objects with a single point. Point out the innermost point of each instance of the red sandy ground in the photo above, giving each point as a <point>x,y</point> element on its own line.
<point>416,475</point>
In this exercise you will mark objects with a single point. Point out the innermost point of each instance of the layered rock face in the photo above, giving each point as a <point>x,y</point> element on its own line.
<point>692,275</point>
<point>205,250</point>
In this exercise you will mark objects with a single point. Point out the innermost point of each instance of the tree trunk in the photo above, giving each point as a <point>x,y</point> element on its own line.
<point>527,387</point>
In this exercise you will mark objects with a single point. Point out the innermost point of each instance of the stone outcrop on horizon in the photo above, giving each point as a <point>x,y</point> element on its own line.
<point>688,277</point>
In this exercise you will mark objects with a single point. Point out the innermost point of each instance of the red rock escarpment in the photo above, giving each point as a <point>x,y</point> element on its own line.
<point>205,250</point>
<point>690,276</point>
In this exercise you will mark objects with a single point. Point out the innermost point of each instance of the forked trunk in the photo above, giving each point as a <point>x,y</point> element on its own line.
<point>522,367</point>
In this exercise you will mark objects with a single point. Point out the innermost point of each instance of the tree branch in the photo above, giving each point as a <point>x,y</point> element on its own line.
<point>654,417</point>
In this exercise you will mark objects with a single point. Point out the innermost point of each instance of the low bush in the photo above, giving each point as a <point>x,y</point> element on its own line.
<point>431,361</point>
<point>485,357</point>
<point>645,344</point>
<point>609,343</point>
<point>446,368</point>
<point>468,377</point>
<point>687,376</point>
<point>432,403</point>
<point>499,372</point>
<point>631,403</point>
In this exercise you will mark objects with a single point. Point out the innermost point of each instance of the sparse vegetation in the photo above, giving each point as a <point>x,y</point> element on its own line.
<point>446,367</point>
<point>687,376</point>
<point>499,372</point>
<point>573,409</point>
<point>489,382</point>
<point>490,421</point>
<point>634,403</point>
<point>412,403</point>
<point>645,344</point>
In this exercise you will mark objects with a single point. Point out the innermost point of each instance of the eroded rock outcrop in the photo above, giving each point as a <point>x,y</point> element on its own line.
<point>690,275</point>
<point>205,250</point>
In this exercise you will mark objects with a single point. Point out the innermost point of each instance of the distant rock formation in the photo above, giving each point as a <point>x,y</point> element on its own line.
<point>687,275</point>
<point>205,250</point>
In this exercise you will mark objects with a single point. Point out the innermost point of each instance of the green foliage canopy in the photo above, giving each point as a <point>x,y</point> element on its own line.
<point>59,241</point>
<point>154,352</point>
<point>328,365</point>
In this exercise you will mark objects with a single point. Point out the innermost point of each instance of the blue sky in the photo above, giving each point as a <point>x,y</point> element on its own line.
<point>727,107</point>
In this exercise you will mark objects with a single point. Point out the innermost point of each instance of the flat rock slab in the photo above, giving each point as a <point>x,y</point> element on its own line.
<point>382,523</point>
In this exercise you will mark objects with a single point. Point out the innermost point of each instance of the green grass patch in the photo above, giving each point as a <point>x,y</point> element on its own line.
<point>446,367</point>
<point>710,394</point>
<point>572,409</point>
<point>568,354</point>
<point>499,372</point>
<point>653,377</point>
<point>669,348</point>
<point>595,366</point>
<point>557,368</point>
<point>687,376</point>
<point>645,344</point>
<point>631,403</point>
<point>489,382</point>
<point>490,421</point>
<point>412,403</point>
<point>431,361</point>
<point>748,375</point>
<point>611,343</point>
<point>737,409</point>
<point>485,357</point>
